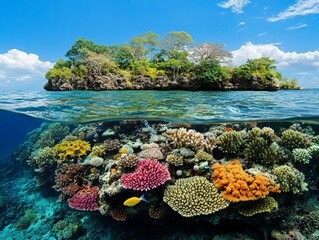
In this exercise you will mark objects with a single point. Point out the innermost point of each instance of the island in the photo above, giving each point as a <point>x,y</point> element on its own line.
<point>151,62</point>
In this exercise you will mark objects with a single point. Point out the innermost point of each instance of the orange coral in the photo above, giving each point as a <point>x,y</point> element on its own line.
<point>237,185</point>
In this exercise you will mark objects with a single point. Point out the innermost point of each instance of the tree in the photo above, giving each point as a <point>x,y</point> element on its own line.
<point>206,51</point>
<point>143,45</point>
<point>174,41</point>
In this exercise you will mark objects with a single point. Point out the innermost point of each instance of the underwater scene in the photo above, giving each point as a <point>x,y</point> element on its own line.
<point>159,165</point>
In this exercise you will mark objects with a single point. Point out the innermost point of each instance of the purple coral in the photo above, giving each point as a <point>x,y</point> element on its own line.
<point>148,174</point>
<point>85,199</point>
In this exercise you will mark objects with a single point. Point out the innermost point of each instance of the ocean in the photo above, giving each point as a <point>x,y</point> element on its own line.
<point>211,165</point>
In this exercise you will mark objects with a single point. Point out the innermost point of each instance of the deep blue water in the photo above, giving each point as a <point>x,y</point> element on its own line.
<point>193,107</point>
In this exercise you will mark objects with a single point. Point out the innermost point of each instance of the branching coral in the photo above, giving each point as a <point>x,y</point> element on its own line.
<point>301,155</point>
<point>292,139</point>
<point>258,150</point>
<point>182,137</point>
<point>237,185</point>
<point>85,199</point>
<point>42,158</point>
<point>127,160</point>
<point>230,142</point>
<point>194,196</point>
<point>267,204</point>
<point>148,174</point>
<point>67,180</point>
<point>174,159</point>
<point>290,179</point>
<point>72,149</point>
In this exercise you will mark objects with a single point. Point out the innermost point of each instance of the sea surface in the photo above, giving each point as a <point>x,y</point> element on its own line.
<point>23,112</point>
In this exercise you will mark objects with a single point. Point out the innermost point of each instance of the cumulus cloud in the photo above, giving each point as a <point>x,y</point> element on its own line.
<point>300,8</point>
<point>297,26</point>
<point>235,5</point>
<point>18,67</point>
<point>289,63</point>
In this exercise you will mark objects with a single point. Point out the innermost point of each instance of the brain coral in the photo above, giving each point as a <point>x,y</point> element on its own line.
<point>148,174</point>
<point>237,185</point>
<point>194,196</point>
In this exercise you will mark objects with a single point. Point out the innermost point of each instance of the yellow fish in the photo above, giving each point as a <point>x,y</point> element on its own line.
<point>131,202</point>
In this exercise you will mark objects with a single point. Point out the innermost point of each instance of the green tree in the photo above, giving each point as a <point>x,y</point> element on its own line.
<point>143,45</point>
<point>175,41</point>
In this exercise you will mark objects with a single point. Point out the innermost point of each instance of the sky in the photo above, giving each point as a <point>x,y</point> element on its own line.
<point>34,34</point>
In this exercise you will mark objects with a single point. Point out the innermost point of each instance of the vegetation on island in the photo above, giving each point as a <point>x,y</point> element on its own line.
<point>149,57</point>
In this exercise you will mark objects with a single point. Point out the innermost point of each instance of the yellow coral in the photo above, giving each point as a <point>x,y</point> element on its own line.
<point>267,204</point>
<point>71,149</point>
<point>237,185</point>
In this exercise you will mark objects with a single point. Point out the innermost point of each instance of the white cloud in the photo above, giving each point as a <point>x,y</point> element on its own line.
<point>297,26</point>
<point>300,8</point>
<point>262,34</point>
<point>289,63</point>
<point>18,67</point>
<point>241,23</point>
<point>235,5</point>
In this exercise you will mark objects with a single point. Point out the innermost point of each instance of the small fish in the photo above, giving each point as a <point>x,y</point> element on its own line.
<point>131,202</point>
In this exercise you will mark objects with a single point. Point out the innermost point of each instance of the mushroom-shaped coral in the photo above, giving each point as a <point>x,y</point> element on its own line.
<point>237,185</point>
<point>85,199</point>
<point>148,174</point>
<point>151,151</point>
<point>194,196</point>
<point>290,179</point>
<point>267,204</point>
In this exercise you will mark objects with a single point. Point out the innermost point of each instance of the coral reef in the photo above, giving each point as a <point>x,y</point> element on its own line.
<point>127,160</point>
<point>301,155</point>
<point>237,185</point>
<point>151,151</point>
<point>290,179</point>
<point>230,142</point>
<point>148,174</point>
<point>174,159</point>
<point>292,139</point>
<point>71,149</point>
<point>194,196</point>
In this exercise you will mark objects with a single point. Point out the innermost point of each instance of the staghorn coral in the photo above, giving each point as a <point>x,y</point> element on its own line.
<point>194,196</point>
<point>290,179</point>
<point>148,174</point>
<point>71,149</point>
<point>182,137</point>
<point>127,160</point>
<point>85,199</point>
<point>174,159</point>
<point>292,139</point>
<point>301,155</point>
<point>67,180</point>
<point>98,151</point>
<point>237,185</point>
<point>151,151</point>
<point>230,142</point>
<point>203,156</point>
<point>263,205</point>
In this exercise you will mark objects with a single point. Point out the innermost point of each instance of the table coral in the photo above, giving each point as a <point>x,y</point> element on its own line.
<point>194,196</point>
<point>237,185</point>
<point>263,205</point>
<point>148,174</point>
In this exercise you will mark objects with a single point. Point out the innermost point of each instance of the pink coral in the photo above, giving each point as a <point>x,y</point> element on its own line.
<point>85,199</point>
<point>148,174</point>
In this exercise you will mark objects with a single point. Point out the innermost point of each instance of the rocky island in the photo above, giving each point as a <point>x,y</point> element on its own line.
<point>148,62</point>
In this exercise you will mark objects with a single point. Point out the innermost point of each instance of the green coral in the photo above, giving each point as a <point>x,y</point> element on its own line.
<point>301,155</point>
<point>194,196</point>
<point>290,179</point>
<point>263,205</point>
<point>27,219</point>
<point>292,139</point>
<point>42,158</point>
<point>230,142</point>
<point>259,151</point>
<point>314,150</point>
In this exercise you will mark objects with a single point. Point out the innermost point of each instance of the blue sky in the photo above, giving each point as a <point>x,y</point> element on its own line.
<point>35,33</point>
